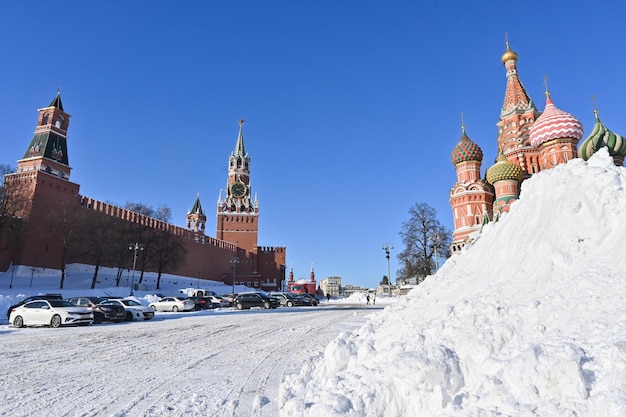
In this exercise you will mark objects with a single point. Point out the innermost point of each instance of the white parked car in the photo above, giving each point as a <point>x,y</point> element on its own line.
<point>134,309</point>
<point>173,304</point>
<point>53,313</point>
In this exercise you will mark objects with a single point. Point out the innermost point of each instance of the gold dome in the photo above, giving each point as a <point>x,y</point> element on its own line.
<point>509,55</point>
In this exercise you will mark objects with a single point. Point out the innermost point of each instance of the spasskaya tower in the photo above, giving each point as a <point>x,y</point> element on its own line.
<point>237,213</point>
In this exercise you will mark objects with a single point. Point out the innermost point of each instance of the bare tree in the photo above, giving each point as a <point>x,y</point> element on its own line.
<point>167,252</point>
<point>98,240</point>
<point>162,213</point>
<point>13,203</point>
<point>123,234</point>
<point>425,240</point>
<point>147,235</point>
<point>66,222</point>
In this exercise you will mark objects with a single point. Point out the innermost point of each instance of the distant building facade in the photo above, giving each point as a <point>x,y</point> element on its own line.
<point>53,204</point>
<point>528,141</point>
<point>331,285</point>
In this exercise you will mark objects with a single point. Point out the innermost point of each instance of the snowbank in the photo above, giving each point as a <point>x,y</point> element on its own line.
<point>526,322</point>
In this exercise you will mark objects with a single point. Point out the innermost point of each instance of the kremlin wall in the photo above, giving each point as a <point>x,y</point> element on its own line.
<point>55,226</point>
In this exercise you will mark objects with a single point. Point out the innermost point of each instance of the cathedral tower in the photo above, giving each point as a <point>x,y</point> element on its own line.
<point>517,116</point>
<point>602,137</point>
<point>555,134</point>
<point>505,176</point>
<point>237,213</point>
<point>471,198</point>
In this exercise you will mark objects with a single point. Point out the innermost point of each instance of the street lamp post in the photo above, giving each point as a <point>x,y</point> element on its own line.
<point>387,247</point>
<point>234,261</point>
<point>134,247</point>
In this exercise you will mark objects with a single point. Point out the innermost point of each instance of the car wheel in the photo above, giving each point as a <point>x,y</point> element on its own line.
<point>239,306</point>
<point>289,303</point>
<point>129,316</point>
<point>266,305</point>
<point>153,308</point>
<point>55,321</point>
<point>18,322</point>
<point>98,318</point>
<point>175,309</point>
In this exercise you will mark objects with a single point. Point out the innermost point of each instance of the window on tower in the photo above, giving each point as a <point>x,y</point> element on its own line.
<point>46,119</point>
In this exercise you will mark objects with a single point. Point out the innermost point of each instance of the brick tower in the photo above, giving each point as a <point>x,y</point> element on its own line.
<point>237,213</point>
<point>49,197</point>
<point>517,117</point>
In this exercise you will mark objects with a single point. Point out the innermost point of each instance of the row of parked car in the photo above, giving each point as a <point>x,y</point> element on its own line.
<point>54,311</point>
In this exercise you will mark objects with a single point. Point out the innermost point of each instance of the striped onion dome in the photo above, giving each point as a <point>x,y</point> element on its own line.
<point>601,137</point>
<point>554,123</point>
<point>466,150</point>
<point>503,169</point>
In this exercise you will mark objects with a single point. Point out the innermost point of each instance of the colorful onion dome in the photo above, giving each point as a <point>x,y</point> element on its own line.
<point>466,150</point>
<point>503,169</point>
<point>601,137</point>
<point>554,123</point>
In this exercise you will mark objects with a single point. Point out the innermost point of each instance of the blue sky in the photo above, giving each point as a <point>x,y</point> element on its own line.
<point>352,108</point>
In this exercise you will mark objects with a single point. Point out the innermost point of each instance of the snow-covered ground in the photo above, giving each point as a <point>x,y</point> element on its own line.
<point>526,322</point>
<point>220,362</point>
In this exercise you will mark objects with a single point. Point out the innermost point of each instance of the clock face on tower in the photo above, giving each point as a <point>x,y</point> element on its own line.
<point>238,189</point>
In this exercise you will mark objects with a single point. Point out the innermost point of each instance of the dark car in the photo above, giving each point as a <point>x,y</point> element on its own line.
<point>202,303</point>
<point>33,298</point>
<point>255,299</point>
<point>308,299</point>
<point>101,312</point>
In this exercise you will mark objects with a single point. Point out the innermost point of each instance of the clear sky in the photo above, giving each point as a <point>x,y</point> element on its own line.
<point>352,108</point>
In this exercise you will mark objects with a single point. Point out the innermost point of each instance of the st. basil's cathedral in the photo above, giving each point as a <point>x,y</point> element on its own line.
<point>529,141</point>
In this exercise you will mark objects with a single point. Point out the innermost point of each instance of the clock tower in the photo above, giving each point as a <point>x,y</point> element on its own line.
<point>237,213</point>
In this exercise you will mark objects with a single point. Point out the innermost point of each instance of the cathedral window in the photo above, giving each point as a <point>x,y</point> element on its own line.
<point>46,119</point>
<point>58,122</point>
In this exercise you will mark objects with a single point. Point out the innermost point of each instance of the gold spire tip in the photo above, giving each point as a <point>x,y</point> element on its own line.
<point>595,107</point>
<point>545,83</point>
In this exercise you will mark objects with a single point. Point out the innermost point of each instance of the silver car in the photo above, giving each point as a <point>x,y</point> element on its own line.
<point>286,299</point>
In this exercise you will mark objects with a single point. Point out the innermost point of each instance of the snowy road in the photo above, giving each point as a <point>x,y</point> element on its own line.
<point>227,363</point>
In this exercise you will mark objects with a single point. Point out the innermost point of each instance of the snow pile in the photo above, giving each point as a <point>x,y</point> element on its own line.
<point>527,322</point>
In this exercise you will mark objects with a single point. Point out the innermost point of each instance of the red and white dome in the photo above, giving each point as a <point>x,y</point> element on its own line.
<point>553,124</point>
